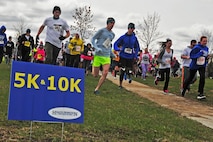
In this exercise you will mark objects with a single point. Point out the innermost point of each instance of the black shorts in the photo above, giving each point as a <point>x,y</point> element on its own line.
<point>126,63</point>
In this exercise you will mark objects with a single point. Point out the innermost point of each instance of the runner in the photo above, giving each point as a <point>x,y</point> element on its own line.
<point>165,59</point>
<point>76,47</point>
<point>87,57</point>
<point>40,54</point>
<point>199,56</point>
<point>145,59</point>
<point>54,35</point>
<point>26,45</point>
<point>102,44</point>
<point>115,63</point>
<point>9,50</point>
<point>129,48</point>
<point>3,41</point>
<point>185,56</point>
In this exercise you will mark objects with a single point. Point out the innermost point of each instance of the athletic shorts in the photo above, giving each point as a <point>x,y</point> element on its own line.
<point>100,60</point>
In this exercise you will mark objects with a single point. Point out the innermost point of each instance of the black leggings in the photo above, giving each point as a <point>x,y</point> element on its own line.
<point>201,71</point>
<point>162,77</point>
<point>1,53</point>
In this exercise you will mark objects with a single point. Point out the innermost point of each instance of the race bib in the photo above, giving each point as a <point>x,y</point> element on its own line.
<point>78,48</point>
<point>27,43</point>
<point>145,58</point>
<point>39,56</point>
<point>128,50</point>
<point>1,42</point>
<point>89,53</point>
<point>9,45</point>
<point>107,43</point>
<point>57,28</point>
<point>168,60</point>
<point>201,61</point>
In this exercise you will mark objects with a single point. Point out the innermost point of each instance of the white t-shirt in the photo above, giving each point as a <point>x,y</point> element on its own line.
<point>166,59</point>
<point>55,28</point>
<point>186,52</point>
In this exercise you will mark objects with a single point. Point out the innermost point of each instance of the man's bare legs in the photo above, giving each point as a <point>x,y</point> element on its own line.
<point>103,76</point>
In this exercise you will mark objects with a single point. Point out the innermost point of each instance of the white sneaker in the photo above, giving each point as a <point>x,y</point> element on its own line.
<point>201,96</point>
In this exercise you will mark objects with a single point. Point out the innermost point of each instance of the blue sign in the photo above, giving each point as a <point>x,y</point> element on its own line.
<point>41,92</point>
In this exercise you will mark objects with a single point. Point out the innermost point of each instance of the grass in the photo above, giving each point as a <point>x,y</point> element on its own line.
<point>113,116</point>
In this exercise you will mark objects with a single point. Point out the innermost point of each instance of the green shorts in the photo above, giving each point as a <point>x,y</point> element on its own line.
<point>100,60</point>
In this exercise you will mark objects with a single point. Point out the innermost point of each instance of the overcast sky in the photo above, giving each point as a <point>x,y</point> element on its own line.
<point>181,20</point>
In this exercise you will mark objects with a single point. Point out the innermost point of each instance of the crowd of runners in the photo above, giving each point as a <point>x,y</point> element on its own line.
<point>124,57</point>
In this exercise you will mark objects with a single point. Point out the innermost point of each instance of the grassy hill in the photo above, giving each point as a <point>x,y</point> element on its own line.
<point>114,116</point>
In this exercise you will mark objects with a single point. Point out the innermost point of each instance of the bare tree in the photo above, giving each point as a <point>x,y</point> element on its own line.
<point>20,27</point>
<point>83,22</point>
<point>148,30</point>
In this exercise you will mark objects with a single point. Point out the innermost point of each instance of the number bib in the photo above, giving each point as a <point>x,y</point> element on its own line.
<point>107,43</point>
<point>39,56</point>
<point>89,53</point>
<point>78,48</point>
<point>201,61</point>
<point>168,60</point>
<point>128,50</point>
<point>27,43</point>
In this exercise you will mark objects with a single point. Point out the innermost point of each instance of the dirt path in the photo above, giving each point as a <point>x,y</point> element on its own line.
<point>188,108</point>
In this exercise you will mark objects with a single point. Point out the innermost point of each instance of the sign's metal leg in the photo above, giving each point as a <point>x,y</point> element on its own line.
<point>31,128</point>
<point>62,131</point>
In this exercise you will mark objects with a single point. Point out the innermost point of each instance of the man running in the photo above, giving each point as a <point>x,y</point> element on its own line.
<point>54,35</point>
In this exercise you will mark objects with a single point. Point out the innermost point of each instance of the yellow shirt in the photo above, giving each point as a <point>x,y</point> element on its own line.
<point>76,46</point>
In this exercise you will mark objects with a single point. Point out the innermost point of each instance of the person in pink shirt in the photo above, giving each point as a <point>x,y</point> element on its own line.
<point>40,54</point>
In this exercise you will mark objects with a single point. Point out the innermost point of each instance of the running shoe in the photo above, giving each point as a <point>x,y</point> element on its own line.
<point>130,80</point>
<point>156,80</point>
<point>96,92</point>
<point>183,91</point>
<point>120,87</point>
<point>201,96</point>
<point>166,91</point>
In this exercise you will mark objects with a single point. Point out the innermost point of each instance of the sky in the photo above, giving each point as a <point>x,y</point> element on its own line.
<point>180,20</point>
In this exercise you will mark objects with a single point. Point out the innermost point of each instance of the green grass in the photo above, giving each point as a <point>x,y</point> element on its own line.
<point>113,116</point>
